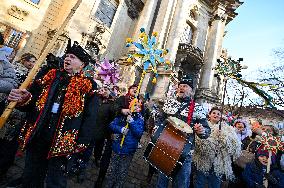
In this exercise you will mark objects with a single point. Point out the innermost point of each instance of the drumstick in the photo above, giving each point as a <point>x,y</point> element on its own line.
<point>36,67</point>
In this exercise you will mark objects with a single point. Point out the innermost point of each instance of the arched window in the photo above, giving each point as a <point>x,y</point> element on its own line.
<point>106,11</point>
<point>186,36</point>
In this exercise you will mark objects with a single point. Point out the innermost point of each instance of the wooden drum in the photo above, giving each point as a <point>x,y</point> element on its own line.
<point>169,146</point>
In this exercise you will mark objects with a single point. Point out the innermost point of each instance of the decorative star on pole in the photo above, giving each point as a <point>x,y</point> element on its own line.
<point>150,55</point>
<point>272,143</point>
<point>230,68</point>
<point>108,72</point>
<point>148,51</point>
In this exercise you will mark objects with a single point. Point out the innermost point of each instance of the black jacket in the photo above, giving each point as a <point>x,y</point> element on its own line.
<point>106,113</point>
<point>74,127</point>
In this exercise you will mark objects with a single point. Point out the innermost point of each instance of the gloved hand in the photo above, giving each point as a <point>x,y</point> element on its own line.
<point>124,130</point>
<point>270,178</point>
<point>129,119</point>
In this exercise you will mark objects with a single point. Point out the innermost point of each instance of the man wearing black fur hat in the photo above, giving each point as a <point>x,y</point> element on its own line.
<point>182,107</point>
<point>62,110</point>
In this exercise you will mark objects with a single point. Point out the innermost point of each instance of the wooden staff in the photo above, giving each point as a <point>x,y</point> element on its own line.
<point>38,64</point>
<point>265,182</point>
<point>132,107</point>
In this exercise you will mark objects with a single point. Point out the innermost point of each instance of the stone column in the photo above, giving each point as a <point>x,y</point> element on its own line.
<point>145,18</point>
<point>39,38</point>
<point>167,8</point>
<point>177,26</point>
<point>213,47</point>
<point>163,81</point>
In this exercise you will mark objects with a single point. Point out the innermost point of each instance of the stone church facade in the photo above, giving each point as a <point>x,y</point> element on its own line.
<point>192,30</point>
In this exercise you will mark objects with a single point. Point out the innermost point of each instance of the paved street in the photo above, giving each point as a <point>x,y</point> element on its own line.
<point>136,176</point>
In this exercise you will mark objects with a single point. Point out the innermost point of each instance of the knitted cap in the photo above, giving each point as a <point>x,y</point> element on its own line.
<point>262,152</point>
<point>186,79</point>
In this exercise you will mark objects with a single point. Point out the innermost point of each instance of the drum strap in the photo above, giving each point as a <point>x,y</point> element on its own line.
<point>190,111</point>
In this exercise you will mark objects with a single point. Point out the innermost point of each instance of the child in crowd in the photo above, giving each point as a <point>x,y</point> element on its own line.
<point>242,129</point>
<point>255,172</point>
<point>123,151</point>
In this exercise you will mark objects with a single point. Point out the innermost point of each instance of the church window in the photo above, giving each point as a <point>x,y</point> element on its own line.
<point>106,11</point>
<point>14,38</point>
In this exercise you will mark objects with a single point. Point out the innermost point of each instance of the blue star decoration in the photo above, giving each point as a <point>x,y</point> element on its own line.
<point>147,49</point>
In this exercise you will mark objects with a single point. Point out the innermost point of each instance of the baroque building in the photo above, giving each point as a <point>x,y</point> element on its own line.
<point>192,30</point>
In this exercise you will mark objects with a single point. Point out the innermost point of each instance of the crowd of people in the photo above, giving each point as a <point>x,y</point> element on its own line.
<point>64,117</point>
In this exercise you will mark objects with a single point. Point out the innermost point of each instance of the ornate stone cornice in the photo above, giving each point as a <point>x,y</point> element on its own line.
<point>51,33</point>
<point>17,12</point>
<point>222,17</point>
<point>229,5</point>
<point>134,8</point>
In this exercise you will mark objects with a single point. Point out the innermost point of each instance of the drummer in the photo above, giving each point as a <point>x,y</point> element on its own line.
<point>181,107</point>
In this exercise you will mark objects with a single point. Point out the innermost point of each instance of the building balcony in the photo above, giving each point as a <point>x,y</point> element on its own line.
<point>190,52</point>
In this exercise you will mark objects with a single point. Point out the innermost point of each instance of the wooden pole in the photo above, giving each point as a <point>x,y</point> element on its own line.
<point>223,102</point>
<point>38,64</point>
<point>132,107</point>
<point>265,182</point>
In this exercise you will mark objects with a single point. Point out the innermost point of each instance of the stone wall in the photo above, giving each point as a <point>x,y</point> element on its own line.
<point>23,16</point>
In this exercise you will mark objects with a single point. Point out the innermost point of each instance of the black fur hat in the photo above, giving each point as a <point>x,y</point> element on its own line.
<point>78,51</point>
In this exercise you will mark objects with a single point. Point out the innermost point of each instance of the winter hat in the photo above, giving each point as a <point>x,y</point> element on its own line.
<point>135,102</point>
<point>263,152</point>
<point>186,79</point>
<point>78,51</point>
<point>240,121</point>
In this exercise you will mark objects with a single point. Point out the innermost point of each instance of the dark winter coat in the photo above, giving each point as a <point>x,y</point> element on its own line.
<point>7,77</point>
<point>7,82</point>
<point>253,142</point>
<point>133,136</point>
<point>16,119</point>
<point>254,173</point>
<point>74,127</point>
<point>106,114</point>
